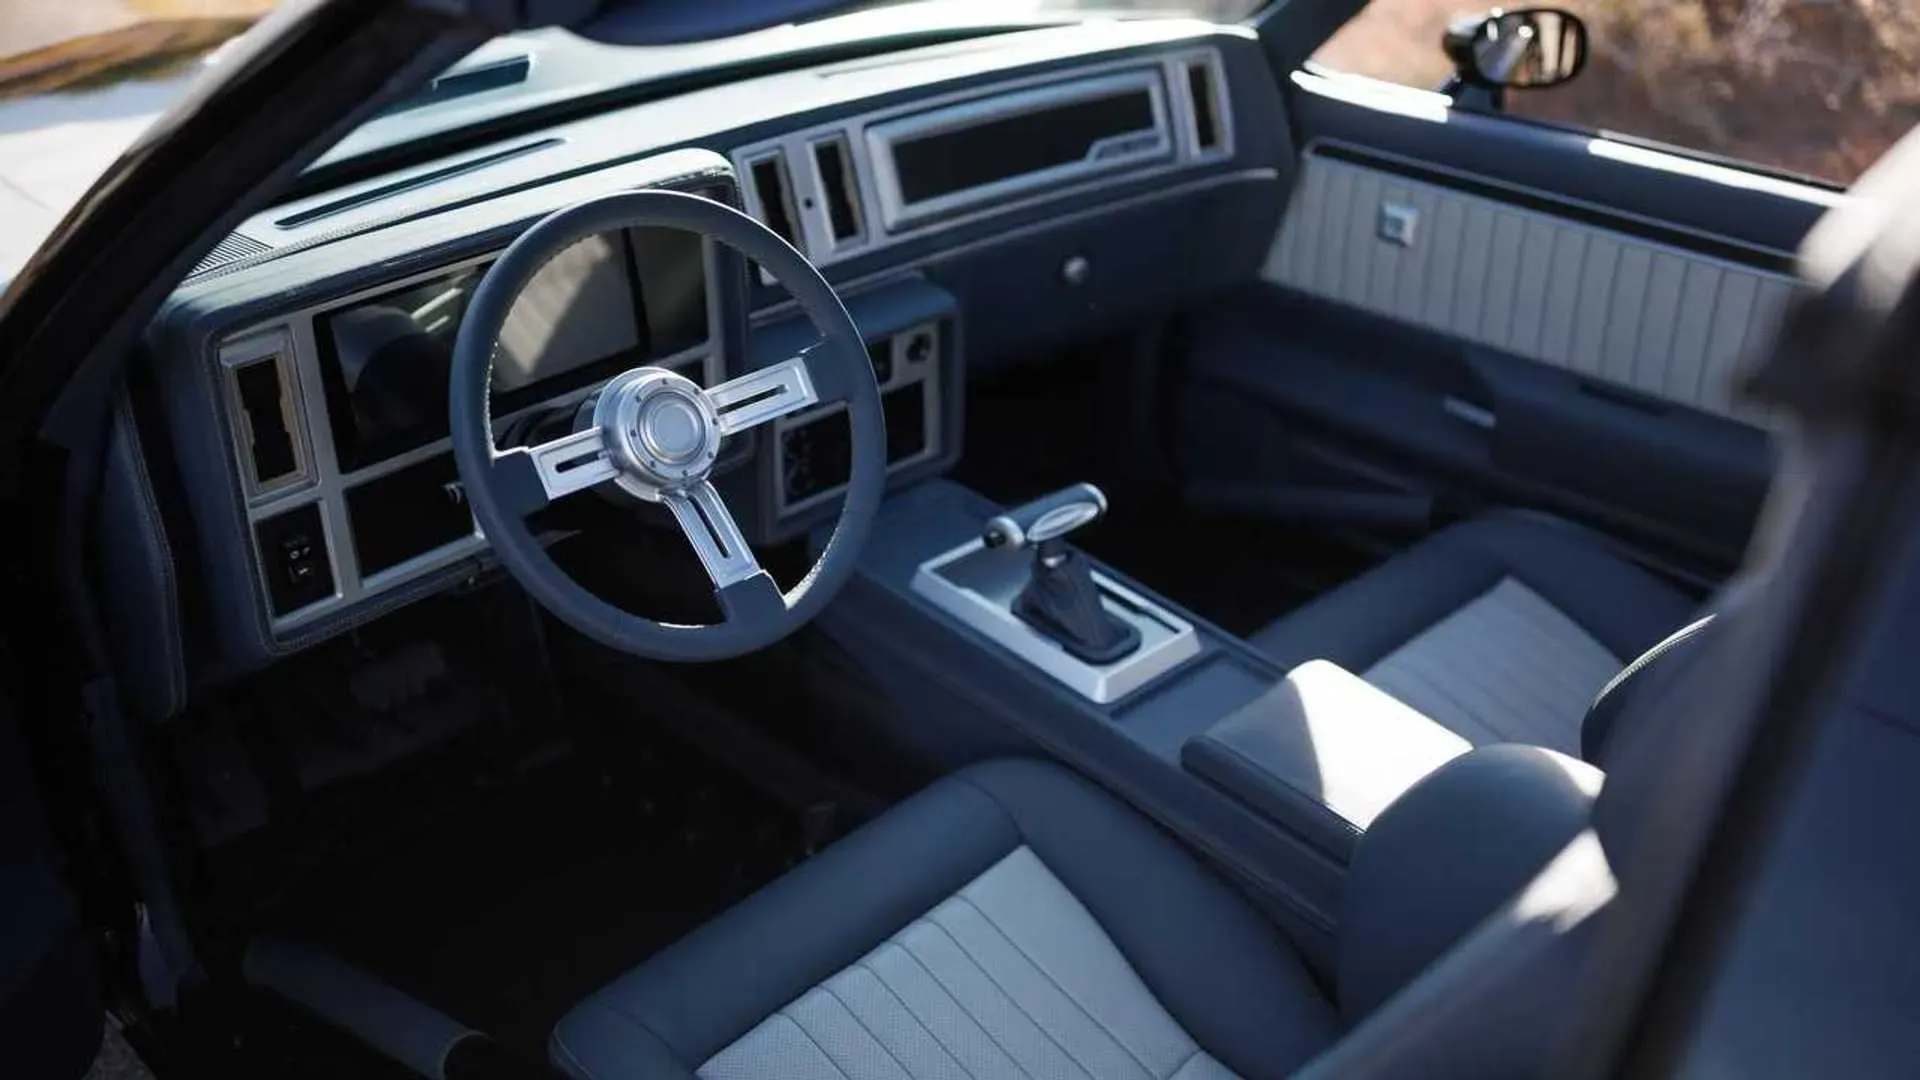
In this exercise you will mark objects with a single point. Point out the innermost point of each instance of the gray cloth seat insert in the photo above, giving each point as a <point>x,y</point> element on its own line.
<point>1504,628</point>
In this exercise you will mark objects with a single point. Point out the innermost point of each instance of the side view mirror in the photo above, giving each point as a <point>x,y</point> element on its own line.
<point>1527,49</point>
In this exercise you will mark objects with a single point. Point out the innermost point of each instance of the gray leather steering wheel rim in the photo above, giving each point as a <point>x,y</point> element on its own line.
<point>756,613</point>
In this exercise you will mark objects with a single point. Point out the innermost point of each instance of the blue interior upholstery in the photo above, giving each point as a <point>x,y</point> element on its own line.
<point>1210,960</point>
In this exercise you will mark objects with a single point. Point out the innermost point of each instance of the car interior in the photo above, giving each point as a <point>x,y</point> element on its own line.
<point>1070,550</point>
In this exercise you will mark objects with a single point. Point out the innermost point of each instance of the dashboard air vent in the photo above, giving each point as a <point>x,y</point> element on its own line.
<point>840,188</point>
<point>466,81</point>
<point>1203,90</point>
<point>773,196</point>
<point>268,446</point>
<point>235,247</point>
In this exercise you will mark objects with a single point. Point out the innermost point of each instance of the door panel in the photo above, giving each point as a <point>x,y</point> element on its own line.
<point>1487,311</point>
<point>1665,321</point>
<point>50,998</point>
<point>1754,214</point>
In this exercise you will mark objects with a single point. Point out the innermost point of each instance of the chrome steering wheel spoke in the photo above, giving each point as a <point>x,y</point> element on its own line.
<point>710,528</point>
<point>759,396</point>
<point>529,478</point>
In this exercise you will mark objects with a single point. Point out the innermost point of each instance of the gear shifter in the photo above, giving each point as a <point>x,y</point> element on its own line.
<point>1060,599</point>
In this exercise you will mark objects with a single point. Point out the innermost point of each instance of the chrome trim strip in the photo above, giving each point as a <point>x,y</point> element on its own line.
<point>1208,60</point>
<point>856,192</point>
<point>275,347</point>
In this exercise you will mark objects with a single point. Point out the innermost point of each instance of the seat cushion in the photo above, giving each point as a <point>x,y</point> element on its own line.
<point>1503,628</point>
<point>1011,920</point>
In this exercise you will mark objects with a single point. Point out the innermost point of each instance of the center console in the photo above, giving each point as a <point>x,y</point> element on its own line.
<point>1020,586</point>
<point>991,636</point>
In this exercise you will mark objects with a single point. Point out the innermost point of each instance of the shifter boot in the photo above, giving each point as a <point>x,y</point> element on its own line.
<point>1062,602</point>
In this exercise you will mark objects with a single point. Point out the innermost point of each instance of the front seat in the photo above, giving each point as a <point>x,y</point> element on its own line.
<point>1014,921</point>
<point>1504,628</point>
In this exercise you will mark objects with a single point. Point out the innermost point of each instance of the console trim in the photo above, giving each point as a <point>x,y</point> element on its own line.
<point>1168,641</point>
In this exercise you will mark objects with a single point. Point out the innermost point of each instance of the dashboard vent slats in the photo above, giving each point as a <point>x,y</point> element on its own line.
<point>235,247</point>
<point>267,437</point>
<point>1206,106</point>
<point>838,186</point>
<point>773,191</point>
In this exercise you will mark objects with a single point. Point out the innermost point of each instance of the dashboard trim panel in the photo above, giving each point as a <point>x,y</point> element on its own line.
<point>810,205</point>
<point>934,281</point>
<point>276,347</point>
<point>909,269</point>
<point>329,487</point>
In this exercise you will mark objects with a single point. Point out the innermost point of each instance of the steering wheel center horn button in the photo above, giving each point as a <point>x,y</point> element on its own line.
<point>660,429</point>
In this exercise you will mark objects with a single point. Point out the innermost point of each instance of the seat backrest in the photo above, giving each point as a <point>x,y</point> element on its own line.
<point>1659,663</point>
<point>1446,854</point>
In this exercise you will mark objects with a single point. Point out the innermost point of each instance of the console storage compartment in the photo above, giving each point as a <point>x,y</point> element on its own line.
<point>1322,752</point>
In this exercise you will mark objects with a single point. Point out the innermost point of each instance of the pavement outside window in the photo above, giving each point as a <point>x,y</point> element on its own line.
<point>79,80</point>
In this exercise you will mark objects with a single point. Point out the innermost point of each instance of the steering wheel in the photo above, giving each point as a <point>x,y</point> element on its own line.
<point>656,434</point>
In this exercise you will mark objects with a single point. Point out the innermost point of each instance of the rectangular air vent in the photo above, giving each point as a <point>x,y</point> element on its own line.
<point>772,190</point>
<point>839,187</point>
<point>995,149</point>
<point>269,442</point>
<point>1203,89</point>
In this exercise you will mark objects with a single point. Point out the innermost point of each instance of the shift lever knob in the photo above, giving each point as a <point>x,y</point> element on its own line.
<point>1046,518</point>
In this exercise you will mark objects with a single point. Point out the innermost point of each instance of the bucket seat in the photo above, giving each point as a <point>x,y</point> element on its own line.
<point>1015,921</point>
<point>1504,628</point>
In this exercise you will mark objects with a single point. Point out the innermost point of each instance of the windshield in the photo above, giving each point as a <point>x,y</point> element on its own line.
<point>522,72</point>
<point>78,83</point>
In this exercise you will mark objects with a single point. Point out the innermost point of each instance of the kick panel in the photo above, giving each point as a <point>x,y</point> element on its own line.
<point>1661,320</point>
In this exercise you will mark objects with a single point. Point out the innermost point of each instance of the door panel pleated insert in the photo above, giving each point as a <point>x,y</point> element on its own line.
<point>1662,320</point>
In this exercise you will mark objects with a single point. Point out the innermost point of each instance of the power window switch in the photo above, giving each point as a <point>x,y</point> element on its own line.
<point>299,561</point>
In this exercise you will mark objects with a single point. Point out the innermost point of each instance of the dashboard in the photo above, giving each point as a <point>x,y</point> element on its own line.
<point>976,205</point>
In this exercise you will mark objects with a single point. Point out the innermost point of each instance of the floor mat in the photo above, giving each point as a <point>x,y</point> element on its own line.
<point>506,908</point>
